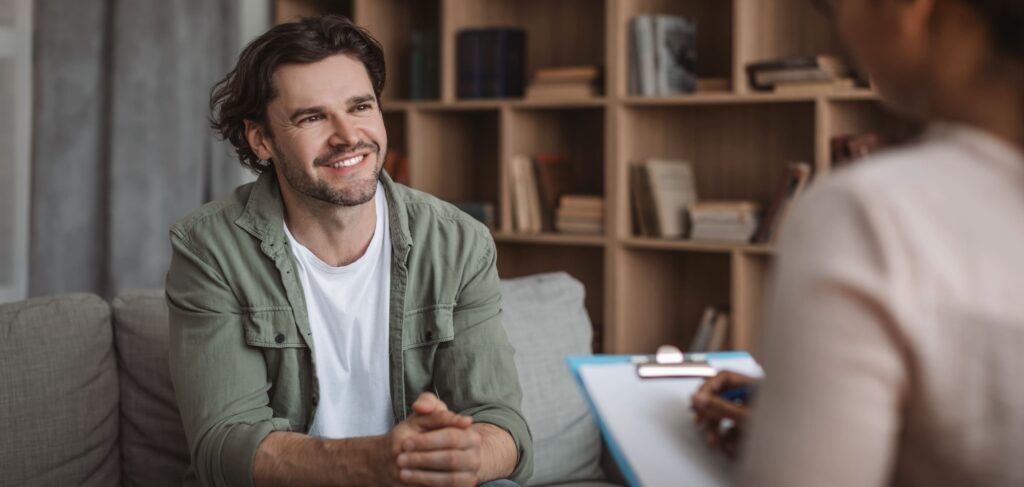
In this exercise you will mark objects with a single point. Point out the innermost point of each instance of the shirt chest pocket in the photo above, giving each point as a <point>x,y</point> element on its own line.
<point>273,329</point>
<point>426,327</point>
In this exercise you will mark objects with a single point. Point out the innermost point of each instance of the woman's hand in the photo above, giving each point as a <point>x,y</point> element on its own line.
<point>722,420</point>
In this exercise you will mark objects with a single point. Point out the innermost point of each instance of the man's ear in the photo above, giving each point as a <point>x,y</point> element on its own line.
<point>259,142</point>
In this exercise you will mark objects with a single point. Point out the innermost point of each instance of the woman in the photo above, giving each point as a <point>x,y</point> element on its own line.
<point>894,340</point>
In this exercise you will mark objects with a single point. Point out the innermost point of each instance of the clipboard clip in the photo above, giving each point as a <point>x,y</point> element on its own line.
<point>670,363</point>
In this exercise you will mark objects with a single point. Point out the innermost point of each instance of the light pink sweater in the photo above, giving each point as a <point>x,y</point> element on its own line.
<point>894,333</point>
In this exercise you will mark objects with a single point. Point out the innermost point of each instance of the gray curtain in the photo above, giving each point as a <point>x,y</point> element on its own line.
<point>122,147</point>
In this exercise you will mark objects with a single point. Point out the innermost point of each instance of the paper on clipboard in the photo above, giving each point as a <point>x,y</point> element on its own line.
<point>649,425</point>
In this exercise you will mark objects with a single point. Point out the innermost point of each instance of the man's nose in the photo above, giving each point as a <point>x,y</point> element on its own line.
<point>345,132</point>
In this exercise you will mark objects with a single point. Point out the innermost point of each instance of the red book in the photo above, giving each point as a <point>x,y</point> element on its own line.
<point>555,178</point>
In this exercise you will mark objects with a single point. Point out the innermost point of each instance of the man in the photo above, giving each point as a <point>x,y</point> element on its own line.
<point>312,309</point>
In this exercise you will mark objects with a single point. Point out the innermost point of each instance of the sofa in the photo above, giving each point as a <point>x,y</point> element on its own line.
<point>86,398</point>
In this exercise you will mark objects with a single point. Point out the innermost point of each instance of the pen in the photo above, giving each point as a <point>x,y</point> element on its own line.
<point>737,394</point>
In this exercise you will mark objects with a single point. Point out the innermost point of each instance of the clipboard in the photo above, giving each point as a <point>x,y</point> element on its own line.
<point>648,425</point>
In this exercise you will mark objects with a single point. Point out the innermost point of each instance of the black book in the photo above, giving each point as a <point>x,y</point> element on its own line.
<point>491,63</point>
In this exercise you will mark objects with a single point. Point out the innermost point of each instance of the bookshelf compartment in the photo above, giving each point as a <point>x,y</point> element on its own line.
<point>454,154</point>
<point>714,34</point>
<point>577,134</point>
<point>559,33</point>
<point>737,151</point>
<point>393,23</point>
<point>660,297</point>
<point>289,10</point>
<point>749,275</point>
<point>585,263</point>
<point>395,123</point>
<point>773,29</point>
<point>848,117</point>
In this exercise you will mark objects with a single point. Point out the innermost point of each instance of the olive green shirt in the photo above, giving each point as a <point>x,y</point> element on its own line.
<point>241,349</point>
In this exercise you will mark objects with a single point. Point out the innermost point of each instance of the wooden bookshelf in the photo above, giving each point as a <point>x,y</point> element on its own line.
<point>641,292</point>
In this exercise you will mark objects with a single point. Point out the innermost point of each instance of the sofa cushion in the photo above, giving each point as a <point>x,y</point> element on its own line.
<point>546,322</point>
<point>153,447</point>
<point>58,392</point>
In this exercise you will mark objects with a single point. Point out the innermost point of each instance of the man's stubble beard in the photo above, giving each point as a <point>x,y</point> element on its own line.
<point>358,193</point>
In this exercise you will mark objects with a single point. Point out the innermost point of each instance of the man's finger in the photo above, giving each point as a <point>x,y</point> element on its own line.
<point>427,403</point>
<point>439,419</point>
<point>440,460</point>
<point>442,439</point>
<point>428,478</point>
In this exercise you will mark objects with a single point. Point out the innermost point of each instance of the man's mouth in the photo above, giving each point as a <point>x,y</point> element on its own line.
<point>349,162</point>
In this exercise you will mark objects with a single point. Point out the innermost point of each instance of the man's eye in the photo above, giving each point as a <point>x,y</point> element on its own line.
<point>364,107</point>
<point>312,118</point>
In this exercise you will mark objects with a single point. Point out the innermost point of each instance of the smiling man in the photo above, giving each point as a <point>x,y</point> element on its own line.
<point>329,326</point>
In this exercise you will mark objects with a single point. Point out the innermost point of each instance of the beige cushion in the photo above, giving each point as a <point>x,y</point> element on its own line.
<point>153,447</point>
<point>58,393</point>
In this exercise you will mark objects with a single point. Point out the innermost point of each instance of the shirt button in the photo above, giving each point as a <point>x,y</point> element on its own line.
<point>279,338</point>
<point>430,335</point>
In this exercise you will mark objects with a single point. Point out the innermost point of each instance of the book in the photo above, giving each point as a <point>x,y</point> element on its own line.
<point>579,213</point>
<point>580,227</point>
<point>582,202</point>
<point>705,328</point>
<point>724,211</point>
<point>644,71</point>
<point>663,55</point>
<point>795,180</point>
<point>672,189</point>
<point>815,86</point>
<point>644,212</point>
<point>568,74</point>
<point>716,231</point>
<point>555,178</point>
<point>490,62</point>
<point>423,66</point>
<point>526,212</point>
<point>561,91</point>
<point>676,57</point>
<point>719,340</point>
<point>765,75</point>
<point>481,211</point>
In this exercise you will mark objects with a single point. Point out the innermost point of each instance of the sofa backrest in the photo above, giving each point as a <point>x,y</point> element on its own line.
<point>58,393</point>
<point>70,338</point>
<point>153,445</point>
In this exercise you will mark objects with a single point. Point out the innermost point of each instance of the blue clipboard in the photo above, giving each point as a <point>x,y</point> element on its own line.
<point>576,362</point>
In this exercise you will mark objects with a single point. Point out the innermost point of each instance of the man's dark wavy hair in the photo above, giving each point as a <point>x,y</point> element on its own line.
<point>245,92</point>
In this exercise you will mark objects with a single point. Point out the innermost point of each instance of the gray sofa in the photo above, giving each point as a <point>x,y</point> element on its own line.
<point>85,397</point>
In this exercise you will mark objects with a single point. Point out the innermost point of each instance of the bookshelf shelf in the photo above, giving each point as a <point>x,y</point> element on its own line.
<point>641,292</point>
<point>551,239</point>
<point>696,246</point>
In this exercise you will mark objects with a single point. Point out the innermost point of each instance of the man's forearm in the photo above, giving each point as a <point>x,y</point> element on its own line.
<point>297,459</point>
<point>498,454</point>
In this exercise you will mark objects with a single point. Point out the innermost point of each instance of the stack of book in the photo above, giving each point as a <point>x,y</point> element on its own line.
<point>712,332</point>
<point>580,214</point>
<point>662,191</point>
<point>798,174</point>
<point>664,55</point>
<point>724,221</point>
<point>801,74</point>
<point>490,62</point>
<point>572,82</point>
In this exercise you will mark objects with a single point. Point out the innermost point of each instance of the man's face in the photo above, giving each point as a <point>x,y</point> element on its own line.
<point>328,138</point>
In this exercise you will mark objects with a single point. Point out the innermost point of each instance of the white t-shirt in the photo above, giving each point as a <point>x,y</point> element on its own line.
<point>348,315</point>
